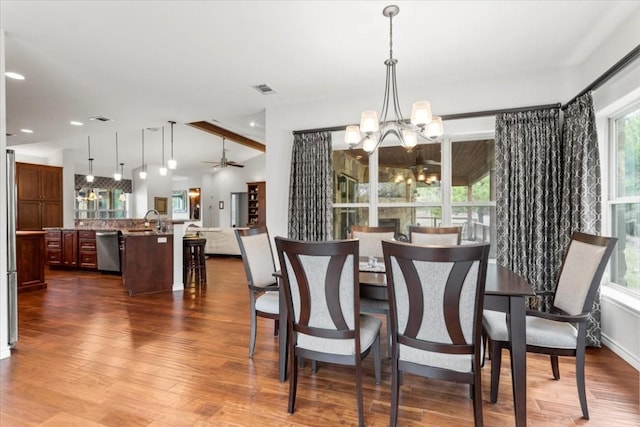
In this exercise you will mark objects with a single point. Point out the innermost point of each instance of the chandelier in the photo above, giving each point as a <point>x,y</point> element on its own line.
<point>422,126</point>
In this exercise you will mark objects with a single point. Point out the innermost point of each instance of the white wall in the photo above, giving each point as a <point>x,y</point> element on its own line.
<point>219,186</point>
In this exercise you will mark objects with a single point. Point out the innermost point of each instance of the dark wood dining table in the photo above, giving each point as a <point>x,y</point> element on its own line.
<point>505,291</point>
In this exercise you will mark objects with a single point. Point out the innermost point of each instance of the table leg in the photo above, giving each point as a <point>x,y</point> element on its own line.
<point>517,336</point>
<point>282,337</point>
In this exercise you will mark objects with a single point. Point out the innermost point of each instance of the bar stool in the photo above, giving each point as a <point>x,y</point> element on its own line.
<point>193,265</point>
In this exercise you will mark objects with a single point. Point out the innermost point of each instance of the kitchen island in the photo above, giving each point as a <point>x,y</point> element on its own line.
<point>147,262</point>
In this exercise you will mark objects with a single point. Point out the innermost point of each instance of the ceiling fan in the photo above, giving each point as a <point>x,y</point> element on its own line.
<point>224,162</point>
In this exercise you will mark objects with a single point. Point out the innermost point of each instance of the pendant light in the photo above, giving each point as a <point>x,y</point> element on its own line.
<point>143,171</point>
<point>172,163</point>
<point>423,125</point>
<point>90,177</point>
<point>163,170</point>
<point>117,176</point>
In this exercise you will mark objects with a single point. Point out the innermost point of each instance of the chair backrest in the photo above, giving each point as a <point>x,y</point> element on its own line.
<point>321,286</point>
<point>441,236</point>
<point>371,238</point>
<point>584,263</point>
<point>436,298</point>
<point>257,256</point>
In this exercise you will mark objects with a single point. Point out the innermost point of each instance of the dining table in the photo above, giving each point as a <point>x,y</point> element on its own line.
<point>505,291</point>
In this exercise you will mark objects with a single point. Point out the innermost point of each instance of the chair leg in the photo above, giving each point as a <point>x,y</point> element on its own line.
<point>314,366</point>
<point>582,395</point>
<point>395,392</point>
<point>276,327</point>
<point>496,361</point>
<point>252,336</point>
<point>476,389</point>
<point>377,362</point>
<point>554,367</point>
<point>359,391</point>
<point>293,381</point>
<point>388,334</point>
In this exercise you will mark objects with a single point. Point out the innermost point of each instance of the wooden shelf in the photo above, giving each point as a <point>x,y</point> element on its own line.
<point>257,194</point>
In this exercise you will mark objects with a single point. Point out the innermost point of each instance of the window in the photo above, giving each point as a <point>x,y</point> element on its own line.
<point>99,203</point>
<point>435,184</point>
<point>625,201</point>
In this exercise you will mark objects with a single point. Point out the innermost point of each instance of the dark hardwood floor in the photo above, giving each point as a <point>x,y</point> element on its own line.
<point>90,355</point>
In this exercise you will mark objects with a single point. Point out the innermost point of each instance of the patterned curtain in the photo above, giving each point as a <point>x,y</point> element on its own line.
<point>528,183</point>
<point>311,187</point>
<point>581,185</point>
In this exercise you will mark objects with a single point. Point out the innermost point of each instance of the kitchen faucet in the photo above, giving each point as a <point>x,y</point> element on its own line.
<point>146,219</point>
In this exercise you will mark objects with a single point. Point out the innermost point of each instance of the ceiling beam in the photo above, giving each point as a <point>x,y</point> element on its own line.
<point>227,134</point>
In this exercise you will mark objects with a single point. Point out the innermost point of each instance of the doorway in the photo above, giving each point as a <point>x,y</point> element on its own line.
<point>239,209</point>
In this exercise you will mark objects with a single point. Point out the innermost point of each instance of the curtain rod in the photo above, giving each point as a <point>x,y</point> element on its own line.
<point>457,116</point>
<point>611,72</point>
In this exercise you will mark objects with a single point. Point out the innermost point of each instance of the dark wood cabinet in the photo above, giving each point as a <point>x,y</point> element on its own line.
<point>53,244</point>
<point>257,193</point>
<point>147,263</point>
<point>69,248</point>
<point>62,249</point>
<point>87,256</point>
<point>39,189</point>
<point>30,253</point>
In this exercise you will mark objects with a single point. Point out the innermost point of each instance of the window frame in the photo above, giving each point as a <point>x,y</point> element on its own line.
<point>612,199</point>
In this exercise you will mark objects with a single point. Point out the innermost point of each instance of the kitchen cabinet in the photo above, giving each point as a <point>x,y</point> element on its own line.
<point>53,244</point>
<point>147,265</point>
<point>87,255</point>
<point>257,192</point>
<point>69,248</point>
<point>30,249</point>
<point>39,203</point>
<point>62,248</point>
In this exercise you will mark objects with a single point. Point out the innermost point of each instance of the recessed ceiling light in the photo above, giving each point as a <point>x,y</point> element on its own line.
<point>26,130</point>
<point>75,123</point>
<point>15,76</point>
<point>252,124</point>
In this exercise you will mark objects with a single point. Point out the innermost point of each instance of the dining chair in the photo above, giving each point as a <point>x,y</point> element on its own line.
<point>443,236</point>
<point>259,266</point>
<point>436,295</point>
<point>321,286</point>
<point>562,331</point>
<point>370,239</point>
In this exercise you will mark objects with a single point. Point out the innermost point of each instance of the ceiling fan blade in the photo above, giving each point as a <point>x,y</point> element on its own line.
<point>238,165</point>
<point>206,161</point>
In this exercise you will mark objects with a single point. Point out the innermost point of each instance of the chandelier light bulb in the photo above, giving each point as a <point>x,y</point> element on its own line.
<point>163,171</point>
<point>421,113</point>
<point>410,138</point>
<point>352,136</point>
<point>434,128</point>
<point>369,144</point>
<point>117,176</point>
<point>369,122</point>
<point>90,178</point>
<point>142,174</point>
<point>172,164</point>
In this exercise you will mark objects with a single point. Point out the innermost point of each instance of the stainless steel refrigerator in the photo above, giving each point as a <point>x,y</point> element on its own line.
<point>12,274</point>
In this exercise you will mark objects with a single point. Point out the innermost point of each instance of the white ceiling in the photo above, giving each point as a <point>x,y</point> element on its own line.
<point>146,63</point>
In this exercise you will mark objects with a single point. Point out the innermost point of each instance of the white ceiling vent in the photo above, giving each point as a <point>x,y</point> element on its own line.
<point>264,89</point>
<point>101,118</point>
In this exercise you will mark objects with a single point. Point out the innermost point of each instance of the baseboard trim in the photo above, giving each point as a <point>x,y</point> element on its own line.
<point>620,351</point>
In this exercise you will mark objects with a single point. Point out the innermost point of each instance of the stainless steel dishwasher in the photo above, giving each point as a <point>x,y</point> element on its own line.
<point>108,250</point>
